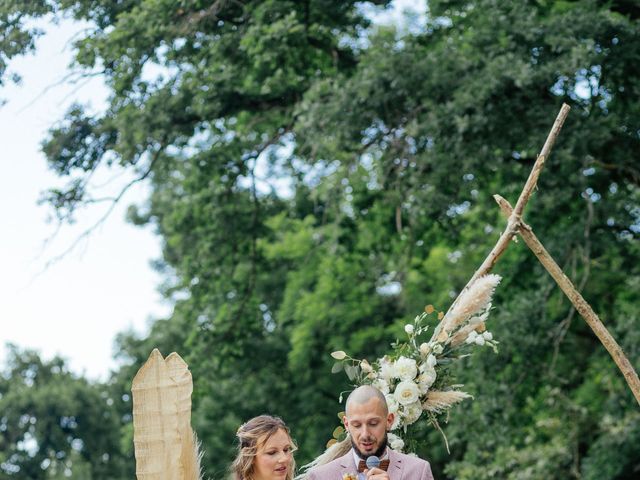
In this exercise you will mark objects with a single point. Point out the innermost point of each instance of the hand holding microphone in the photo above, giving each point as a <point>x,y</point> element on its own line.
<point>373,469</point>
<point>372,462</point>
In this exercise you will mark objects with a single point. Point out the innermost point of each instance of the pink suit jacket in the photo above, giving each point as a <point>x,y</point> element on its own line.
<point>401,467</point>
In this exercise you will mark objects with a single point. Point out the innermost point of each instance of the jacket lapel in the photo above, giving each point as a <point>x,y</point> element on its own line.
<point>347,465</point>
<point>396,466</point>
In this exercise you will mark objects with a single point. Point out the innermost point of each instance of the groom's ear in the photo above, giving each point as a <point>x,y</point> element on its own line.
<point>390,419</point>
<point>345,422</point>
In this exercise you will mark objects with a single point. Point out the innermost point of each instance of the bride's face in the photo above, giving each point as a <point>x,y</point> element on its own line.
<point>273,459</point>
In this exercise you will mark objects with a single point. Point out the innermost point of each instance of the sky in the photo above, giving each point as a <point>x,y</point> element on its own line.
<point>73,304</point>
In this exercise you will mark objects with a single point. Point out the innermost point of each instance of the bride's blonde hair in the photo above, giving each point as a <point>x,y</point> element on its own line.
<point>251,436</point>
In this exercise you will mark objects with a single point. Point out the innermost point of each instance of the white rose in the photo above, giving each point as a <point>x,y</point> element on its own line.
<point>381,385</point>
<point>423,388</point>
<point>386,370</point>
<point>395,442</point>
<point>412,413</point>
<point>472,337</point>
<point>424,349</point>
<point>430,374</point>
<point>479,340</point>
<point>431,361</point>
<point>438,349</point>
<point>426,379</point>
<point>487,335</point>
<point>409,329</point>
<point>406,393</point>
<point>405,368</point>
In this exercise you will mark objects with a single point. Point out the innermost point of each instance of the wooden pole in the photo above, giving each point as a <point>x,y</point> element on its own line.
<point>515,225</point>
<point>576,299</point>
<point>514,219</point>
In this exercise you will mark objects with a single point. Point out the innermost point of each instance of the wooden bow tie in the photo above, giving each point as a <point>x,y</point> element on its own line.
<point>384,464</point>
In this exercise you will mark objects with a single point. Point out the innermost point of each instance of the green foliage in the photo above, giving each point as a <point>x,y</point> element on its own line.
<point>55,424</point>
<point>17,35</point>
<point>316,180</point>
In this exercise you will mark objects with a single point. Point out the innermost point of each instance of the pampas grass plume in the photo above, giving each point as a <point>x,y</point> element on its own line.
<point>439,401</point>
<point>471,301</point>
<point>191,456</point>
<point>336,450</point>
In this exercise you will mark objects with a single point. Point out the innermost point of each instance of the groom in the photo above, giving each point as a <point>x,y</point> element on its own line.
<point>367,420</point>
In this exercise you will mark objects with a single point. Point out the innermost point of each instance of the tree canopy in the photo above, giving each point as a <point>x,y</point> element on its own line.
<point>317,179</point>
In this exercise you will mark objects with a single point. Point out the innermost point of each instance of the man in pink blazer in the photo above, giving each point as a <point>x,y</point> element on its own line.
<point>367,419</point>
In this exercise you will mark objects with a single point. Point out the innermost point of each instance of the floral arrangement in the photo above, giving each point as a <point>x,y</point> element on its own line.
<point>414,376</point>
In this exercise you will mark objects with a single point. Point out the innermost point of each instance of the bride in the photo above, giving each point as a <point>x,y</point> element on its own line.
<point>265,450</point>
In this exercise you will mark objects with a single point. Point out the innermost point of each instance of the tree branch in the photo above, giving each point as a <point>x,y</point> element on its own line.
<point>114,202</point>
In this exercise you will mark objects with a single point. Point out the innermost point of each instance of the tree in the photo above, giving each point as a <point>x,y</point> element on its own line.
<point>55,424</point>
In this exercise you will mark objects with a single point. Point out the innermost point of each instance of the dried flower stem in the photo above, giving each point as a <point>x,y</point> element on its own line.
<point>576,299</point>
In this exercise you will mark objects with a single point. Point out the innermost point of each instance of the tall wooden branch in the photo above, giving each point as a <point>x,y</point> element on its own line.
<point>514,219</point>
<point>576,299</point>
<point>515,225</point>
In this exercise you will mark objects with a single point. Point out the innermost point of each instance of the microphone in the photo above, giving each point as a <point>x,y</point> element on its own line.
<point>373,462</point>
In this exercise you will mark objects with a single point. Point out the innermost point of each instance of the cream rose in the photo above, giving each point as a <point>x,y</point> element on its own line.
<point>386,370</point>
<point>406,393</point>
<point>395,442</point>
<point>426,379</point>
<point>412,413</point>
<point>381,384</point>
<point>405,368</point>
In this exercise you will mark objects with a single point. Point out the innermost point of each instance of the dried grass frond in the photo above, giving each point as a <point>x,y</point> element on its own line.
<point>336,450</point>
<point>440,401</point>
<point>191,457</point>
<point>471,301</point>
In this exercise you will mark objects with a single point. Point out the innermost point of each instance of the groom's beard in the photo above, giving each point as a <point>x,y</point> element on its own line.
<point>378,453</point>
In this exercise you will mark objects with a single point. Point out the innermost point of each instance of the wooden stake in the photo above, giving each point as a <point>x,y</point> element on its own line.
<point>576,299</point>
<point>515,225</point>
<point>514,219</point>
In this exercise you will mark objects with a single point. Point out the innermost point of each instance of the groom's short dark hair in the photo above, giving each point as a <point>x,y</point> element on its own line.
<point>365,393</point>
